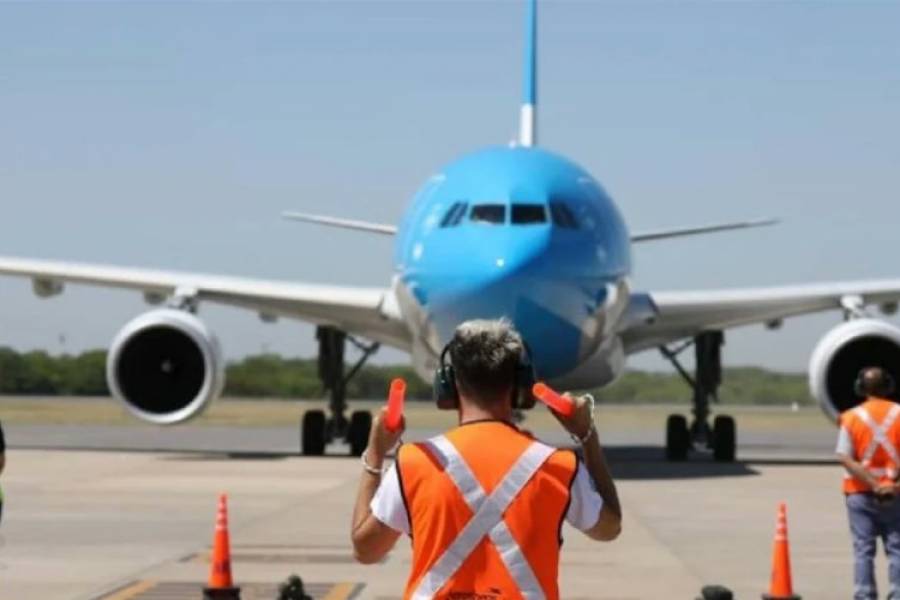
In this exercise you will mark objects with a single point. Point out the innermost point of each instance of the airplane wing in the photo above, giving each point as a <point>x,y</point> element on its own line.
<point>664,234</point>
<point>664,317</point>
<point>340,223</point>
<point>369,312</point>
<point>639,237</point>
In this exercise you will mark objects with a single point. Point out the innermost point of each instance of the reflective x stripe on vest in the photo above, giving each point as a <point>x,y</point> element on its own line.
<point>879,440</point>
<point>487,519</point>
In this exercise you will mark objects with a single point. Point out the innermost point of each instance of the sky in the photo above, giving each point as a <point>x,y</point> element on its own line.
<point>171,135</point>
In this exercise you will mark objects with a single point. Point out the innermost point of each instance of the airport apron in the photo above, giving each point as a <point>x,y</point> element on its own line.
<point>486,504</point>
<point>874,429</point>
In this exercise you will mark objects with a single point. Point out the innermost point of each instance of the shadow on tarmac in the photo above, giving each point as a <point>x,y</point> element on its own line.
<point>649,462</point>
<point>628,462</point>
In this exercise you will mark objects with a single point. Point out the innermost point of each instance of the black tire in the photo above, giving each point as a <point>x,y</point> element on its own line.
<point>724,438</point>
<point>313,435</point>
<point>678,437</point>
<point>358,431</point>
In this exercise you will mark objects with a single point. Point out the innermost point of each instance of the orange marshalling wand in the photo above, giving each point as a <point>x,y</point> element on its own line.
<point>554,400</point>
<point>781,587</point>
<point>220,585</point>
<point>396,399</point>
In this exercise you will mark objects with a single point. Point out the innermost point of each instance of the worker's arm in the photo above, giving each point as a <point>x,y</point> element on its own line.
<point>858,471</point>
<point>609,523</point>
<point>372,539</point>
<point>580,424</point>
<point>845,455</point>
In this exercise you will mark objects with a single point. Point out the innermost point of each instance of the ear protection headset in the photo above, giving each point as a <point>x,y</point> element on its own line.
<point>446,395</point>
<point>859,385</point>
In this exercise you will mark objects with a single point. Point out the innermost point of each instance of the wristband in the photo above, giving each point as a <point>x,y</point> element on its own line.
<point>593,428</point>
<point>368,468</point>
<point>587,437</point>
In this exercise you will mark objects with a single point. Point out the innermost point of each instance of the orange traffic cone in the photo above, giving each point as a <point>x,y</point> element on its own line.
<point>220,586</point>
<point>781,587</point>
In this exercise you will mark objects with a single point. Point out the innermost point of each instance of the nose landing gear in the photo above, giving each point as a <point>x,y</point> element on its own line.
<point>721,438</point>
<point>318,430</point>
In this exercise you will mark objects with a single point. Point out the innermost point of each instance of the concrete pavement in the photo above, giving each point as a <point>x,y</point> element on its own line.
<point>85,525</point>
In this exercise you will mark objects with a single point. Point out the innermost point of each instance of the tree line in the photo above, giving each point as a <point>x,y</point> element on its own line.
<point>275,376</point>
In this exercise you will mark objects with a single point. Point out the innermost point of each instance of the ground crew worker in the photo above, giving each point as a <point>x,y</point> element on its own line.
<point>869,448</point>
<point>484,503</point>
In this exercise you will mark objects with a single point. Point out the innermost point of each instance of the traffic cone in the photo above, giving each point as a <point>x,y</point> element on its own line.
<point>220,585</point>
<point>781,587</point>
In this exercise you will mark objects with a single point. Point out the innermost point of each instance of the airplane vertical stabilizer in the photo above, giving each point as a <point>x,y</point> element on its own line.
<point>528,114</point>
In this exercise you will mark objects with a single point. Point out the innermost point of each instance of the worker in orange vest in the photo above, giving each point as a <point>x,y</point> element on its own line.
<point>484,503</point>
<point>869,448</point>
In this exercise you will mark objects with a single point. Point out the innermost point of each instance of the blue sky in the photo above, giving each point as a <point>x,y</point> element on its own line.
<point>172,135</point>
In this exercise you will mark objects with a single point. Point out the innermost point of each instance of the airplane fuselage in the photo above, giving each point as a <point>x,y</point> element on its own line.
<point>522,233</point>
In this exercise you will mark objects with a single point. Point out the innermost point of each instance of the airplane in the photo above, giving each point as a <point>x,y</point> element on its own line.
<point>514,231</point>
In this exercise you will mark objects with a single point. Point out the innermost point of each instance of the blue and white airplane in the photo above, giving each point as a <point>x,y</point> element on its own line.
<point>515,231</point>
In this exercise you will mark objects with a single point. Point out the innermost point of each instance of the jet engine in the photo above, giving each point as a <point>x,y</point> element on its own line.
<point>842,353</point>
<point>166,366</point>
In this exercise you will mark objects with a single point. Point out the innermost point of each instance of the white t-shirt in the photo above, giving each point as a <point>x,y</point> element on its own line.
<point>389,508</point>
<point>844,443</point>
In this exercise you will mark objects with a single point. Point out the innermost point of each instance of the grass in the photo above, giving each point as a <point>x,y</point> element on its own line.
<point>268,413</point>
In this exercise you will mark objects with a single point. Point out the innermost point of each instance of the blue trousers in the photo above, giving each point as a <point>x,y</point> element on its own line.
<point>870,520</point>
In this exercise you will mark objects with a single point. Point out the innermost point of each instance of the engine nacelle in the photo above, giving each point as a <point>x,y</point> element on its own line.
<point>842,353</point>
<point>166,366</point>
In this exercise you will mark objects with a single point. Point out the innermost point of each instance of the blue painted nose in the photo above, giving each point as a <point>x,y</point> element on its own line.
<point>506,272</point>
<point>482,257</point>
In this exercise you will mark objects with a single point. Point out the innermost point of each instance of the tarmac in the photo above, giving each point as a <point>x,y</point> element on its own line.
<point>127,512</point>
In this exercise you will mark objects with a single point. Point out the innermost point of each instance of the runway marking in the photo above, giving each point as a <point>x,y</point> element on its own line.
<point>170,590</point>
<point>341,591</point>
<point>131,590</point>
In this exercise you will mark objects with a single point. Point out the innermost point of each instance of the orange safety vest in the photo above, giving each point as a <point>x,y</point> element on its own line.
<point>874,428</point>
<point>486,504</point>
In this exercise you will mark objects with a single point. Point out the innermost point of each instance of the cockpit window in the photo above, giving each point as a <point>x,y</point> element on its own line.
<point>454,215</point>
<point>493,214</point>
<point>562,216</point>
<point>527,214</point>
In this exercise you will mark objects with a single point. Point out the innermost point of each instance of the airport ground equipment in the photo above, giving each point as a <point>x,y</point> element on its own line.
<point>721,438</point>
<point>319,429</point>
<point>715,592</point>
<point>220,585</point>
<point>781,586</point>
<point>293,589</point>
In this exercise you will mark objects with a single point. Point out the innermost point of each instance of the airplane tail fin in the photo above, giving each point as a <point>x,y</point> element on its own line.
<point>528,111</point>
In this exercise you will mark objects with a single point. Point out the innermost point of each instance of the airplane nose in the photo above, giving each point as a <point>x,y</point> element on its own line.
<point>516,273</point>
<point>504,259</point>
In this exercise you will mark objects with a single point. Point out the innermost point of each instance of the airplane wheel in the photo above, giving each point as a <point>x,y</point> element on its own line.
<point>358,431</point>
<point>678,437</point>
<point>313,435</point>
<point>724,438</point>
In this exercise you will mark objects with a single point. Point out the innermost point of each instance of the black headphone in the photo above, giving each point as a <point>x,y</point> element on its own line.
<point>446,394</point>
<point>859,385</point>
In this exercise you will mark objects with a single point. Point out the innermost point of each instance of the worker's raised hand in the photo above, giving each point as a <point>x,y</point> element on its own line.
<point>581,420</point>
<point>381,439</point>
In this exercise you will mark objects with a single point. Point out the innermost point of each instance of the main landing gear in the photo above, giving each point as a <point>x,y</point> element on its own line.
<point>317,429</point>
<point>721,438</point>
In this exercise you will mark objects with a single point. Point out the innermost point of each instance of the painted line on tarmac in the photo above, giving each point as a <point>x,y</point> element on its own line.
<point>342,591</point>
<point>131,590</point>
